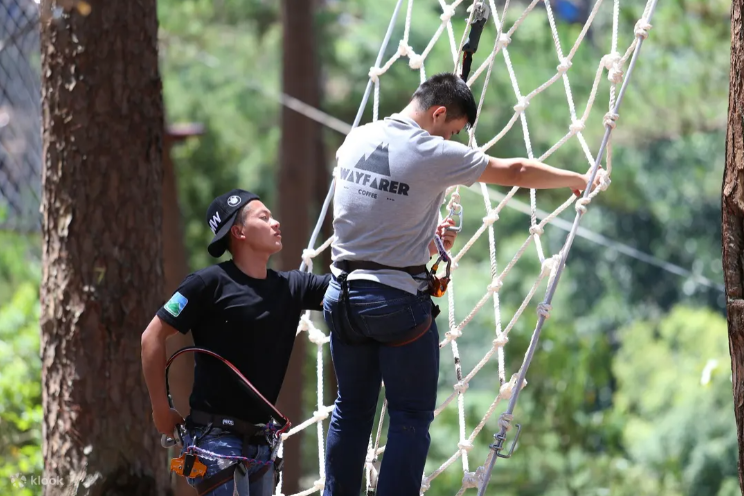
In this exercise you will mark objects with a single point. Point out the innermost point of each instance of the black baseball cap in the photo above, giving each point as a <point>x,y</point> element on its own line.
<point>220,217</point>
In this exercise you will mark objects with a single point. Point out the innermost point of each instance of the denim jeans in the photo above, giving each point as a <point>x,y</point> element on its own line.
<point>380,313</point>
<point>222,442</point>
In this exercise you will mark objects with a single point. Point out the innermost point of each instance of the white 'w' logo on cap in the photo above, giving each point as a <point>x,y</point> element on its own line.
<point>214,222</point>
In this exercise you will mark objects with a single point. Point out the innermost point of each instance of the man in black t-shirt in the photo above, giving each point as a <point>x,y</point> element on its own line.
<point>248,314</point>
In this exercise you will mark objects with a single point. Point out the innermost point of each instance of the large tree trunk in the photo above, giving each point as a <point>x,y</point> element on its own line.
<point>296,192</point>
<point>733,223</point>
<point>102,275</point>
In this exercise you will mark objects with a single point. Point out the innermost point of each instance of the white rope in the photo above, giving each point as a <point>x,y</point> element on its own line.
<point>614,63</point>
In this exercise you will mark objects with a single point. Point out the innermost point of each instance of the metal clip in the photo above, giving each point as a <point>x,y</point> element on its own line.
<point>482,11</point>
<point>455,211</point>
<point>502,439</point>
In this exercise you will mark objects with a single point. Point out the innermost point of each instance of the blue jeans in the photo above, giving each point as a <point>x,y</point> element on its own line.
<point>380,314</point>
<point>222,442</point>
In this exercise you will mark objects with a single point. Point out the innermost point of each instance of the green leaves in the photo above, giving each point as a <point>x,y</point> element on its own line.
<point>20,365</point>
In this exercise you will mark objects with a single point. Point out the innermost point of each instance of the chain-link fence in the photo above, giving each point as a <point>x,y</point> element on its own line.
<point>20,115</point>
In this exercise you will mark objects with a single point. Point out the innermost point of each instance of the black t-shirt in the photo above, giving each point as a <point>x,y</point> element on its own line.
<point>250,322</point>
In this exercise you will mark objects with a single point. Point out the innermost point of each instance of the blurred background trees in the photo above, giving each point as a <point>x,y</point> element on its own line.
<point>630,392</point>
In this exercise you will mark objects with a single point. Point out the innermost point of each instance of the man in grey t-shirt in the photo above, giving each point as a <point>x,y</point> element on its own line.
<point>391,179</point>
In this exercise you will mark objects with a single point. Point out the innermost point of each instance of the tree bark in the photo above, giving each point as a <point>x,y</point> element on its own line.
<point>732,207</point>
<point>296,192</point>
<point>102,274</point>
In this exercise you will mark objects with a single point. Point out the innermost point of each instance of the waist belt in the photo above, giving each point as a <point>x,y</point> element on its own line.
<point>352,265</point>
<point>232,424</point>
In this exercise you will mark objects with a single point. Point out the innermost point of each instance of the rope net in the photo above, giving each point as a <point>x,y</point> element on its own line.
<point>20,115</point>
<point>615,64</point>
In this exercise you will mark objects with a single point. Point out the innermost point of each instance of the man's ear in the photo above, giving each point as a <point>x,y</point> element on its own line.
<point>439,113</point>
<point>236,231</point>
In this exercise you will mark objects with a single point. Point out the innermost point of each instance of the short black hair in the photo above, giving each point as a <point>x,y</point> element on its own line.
<point>450,91</point>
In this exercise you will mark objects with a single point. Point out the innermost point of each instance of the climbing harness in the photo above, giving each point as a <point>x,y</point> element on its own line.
<point>188,464</point>
<point>480,17</point>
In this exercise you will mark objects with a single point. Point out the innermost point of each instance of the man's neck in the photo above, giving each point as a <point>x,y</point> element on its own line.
<point>412,112</point>
<point>252,264</point>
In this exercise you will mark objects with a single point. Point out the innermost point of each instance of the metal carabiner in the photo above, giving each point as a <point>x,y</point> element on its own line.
<point>455,211</point>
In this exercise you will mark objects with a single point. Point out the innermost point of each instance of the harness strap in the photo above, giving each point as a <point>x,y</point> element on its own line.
<point>227,474</point>
<point>352,265</point>
<point>255,433</point>
<point>210,484</point>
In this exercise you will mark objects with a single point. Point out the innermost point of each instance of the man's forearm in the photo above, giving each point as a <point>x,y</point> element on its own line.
<point>530,173</point>
<point>153,367</point>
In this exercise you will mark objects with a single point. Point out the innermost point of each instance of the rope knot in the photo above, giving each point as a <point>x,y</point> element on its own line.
<point>505,420</point>
<point>613,62</point>
<point>537,230</point>
<point>610,119</point>
<point>504,41</point>
<point>577,126</point>
<point>500,341</point>
<point>447,14</point>
<point>543,309</point>
<point>465,445</point>
<point>316,336</point>
<point>508,387</point>
<point>581,204</point>
<point>461,387</point>
<point>319,484</point>
<point>610,60</point>
<point>307,257</point>
<point>305,323</point>
<point>564,66</point>
<point>403,48</point>
<point>375,73</point>
<point>604,180</point>
<point>454,333</point>
<point>495,285</point>
<point>473,479</point>
<point>642,28</point>
<point>549,264</point>
<point>492,217</point>
<point>425,485</point>
<point>521,105</point>
<point>320,415</point>
<point>416,61</point>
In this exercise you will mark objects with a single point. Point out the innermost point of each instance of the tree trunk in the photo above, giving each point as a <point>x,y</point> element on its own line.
<point>102,277</point>
<point>733,223</point>
<point>296,193</point>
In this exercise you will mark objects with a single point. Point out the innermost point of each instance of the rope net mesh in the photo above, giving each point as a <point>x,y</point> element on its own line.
<point>20,115</point>
<point>614,64</point>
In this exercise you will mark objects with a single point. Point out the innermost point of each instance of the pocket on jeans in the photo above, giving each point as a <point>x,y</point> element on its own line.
<point>392,324</point>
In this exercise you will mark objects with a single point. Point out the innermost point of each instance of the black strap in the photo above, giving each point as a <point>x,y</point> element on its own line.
<point>227,423</point>
<point>352,265</point>
<point>222,477</point>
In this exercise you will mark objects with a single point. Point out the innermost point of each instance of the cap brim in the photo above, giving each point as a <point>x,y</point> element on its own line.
<point>218,245</point>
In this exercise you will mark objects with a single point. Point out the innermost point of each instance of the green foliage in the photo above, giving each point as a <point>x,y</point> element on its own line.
<point>20,365</point>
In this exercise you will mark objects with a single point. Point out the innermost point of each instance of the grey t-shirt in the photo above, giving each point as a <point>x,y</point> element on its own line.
<point>390,185</point>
